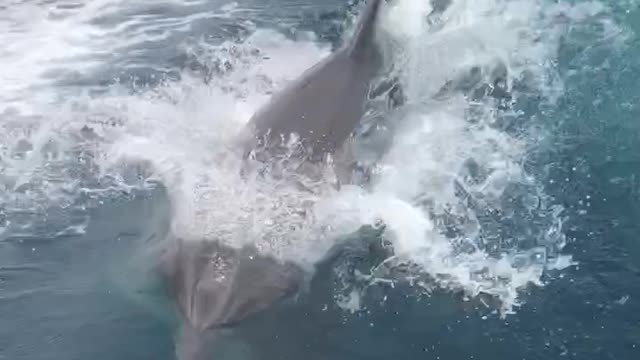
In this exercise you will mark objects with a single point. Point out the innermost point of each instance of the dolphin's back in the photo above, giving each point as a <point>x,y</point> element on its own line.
<point>319,107</point>
<point>326,102</point>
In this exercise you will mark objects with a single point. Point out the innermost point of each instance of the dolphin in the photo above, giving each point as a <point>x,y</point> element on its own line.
<point>322,106</point>
<point>214,286</point>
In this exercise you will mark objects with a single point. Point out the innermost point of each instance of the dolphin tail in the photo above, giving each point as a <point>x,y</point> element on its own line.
<point>362,41</point>
<point>194,344</point>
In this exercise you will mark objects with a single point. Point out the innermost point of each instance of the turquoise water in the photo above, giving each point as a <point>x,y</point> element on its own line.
<point>516,213</point>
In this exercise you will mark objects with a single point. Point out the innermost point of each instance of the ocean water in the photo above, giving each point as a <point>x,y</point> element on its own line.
<point>505,178</point>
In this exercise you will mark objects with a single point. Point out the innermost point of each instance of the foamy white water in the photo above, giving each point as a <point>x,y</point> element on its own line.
<point>448,166</point>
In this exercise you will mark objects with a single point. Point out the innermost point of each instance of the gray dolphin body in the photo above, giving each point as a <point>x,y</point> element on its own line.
<point>215,286</point>
<point>323,106</point>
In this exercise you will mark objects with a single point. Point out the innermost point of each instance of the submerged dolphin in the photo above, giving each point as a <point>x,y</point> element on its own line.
<point>215,286</point>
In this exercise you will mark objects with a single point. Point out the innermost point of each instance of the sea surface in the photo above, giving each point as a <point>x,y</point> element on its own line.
<point>503,188</point>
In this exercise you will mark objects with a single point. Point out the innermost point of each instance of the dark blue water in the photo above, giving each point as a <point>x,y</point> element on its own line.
<point>59,300</point>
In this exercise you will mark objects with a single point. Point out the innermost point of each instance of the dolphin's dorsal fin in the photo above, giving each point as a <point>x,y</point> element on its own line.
<point>362,39</point>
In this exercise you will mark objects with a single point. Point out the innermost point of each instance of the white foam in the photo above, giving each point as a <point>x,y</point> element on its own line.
<point>436,139</point>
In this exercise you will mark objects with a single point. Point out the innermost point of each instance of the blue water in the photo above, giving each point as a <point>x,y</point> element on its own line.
<point>67,253</point>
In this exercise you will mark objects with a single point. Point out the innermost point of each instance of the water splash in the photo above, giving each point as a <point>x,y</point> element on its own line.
<point>461,210</point>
